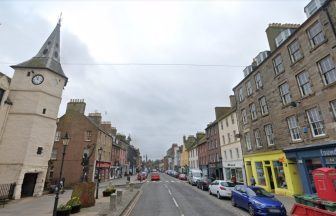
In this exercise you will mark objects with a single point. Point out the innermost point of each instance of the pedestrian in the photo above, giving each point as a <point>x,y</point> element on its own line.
<point>234,179</point>
<point>252,181</point>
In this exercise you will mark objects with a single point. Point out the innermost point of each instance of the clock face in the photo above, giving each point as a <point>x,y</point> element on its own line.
<point>37,79</point>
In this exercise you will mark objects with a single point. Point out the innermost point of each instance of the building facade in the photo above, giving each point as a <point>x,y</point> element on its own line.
<point>202,149</point>
<point>193,157</point>
<point>286,105</point>
<point>29,107</point>
<point>88,134</point>
<point>232,156</point>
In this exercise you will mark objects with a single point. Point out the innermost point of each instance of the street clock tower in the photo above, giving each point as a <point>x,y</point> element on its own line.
<point>35,93</point>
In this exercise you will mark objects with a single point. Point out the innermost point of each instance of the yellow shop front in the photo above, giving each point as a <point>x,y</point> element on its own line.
<point>274,172</point>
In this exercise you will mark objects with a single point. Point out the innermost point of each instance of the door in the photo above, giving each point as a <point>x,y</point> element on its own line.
<point>28,184</point>
<point>244,197</point>
<point>270,177</point>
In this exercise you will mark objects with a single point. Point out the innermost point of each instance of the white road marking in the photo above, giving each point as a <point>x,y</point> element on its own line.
<point>175,202</point>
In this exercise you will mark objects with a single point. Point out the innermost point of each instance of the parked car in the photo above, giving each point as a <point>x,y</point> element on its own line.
<point>203,183</point>
<point>257,201</point>
<point>176,174</point>
<point>194,175</point>
<point>142,176</point>
<point>182,177</point>
<point>155,176</point>
<point>221,188</point>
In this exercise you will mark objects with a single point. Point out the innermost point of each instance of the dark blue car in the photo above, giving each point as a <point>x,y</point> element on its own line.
<point>257,201</point>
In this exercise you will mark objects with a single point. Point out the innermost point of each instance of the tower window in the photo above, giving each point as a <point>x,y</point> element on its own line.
<point>44,111</point>
<point>2,92</point>
<point>39,150</point>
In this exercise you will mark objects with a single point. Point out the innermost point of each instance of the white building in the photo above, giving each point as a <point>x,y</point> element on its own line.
<point>231,151</point>
<point>193,158</point>
<point>28,113</point>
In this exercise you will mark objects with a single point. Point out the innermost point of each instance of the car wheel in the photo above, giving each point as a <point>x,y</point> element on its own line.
<point>218,195</point>
<point>233,202</point>
<point>251,210</point>
<point>210,192</point>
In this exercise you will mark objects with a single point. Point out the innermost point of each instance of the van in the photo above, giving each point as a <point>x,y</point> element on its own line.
<point>194,175</point>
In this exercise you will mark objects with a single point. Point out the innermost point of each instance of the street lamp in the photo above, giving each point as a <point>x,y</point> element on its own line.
<point>100,151</point>
<point>65,140</point>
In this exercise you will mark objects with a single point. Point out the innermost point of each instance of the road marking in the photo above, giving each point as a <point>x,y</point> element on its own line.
<point>175,202</point>
<point>132,206</point>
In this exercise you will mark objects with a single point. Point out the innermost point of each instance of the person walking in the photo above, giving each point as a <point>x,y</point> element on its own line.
<point>252,181</point>
<point>234,179</point>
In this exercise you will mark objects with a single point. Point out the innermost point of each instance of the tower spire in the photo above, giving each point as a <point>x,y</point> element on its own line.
<point>48,56</point>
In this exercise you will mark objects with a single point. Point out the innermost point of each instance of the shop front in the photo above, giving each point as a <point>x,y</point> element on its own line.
<point>273,172</point>
<point>234,168</point>
<point>204,169</point>
<point>104,170</point>
<point>310,157</point>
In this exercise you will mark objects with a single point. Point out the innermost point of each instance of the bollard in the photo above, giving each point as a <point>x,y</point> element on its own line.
<point>113,202</point>
<point>119,197</point>
<point>131,187</point>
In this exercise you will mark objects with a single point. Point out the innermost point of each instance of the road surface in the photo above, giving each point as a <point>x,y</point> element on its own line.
<point>172,197</point>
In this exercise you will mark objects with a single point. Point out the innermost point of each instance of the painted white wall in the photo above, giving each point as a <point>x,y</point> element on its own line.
<point>228,127</point>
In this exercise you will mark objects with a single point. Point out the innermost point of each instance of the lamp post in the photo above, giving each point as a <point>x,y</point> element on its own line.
<point>65,140</point>
<point>100,151</point>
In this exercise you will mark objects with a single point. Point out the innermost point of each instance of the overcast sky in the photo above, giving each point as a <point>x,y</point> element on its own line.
<point>157,105</point>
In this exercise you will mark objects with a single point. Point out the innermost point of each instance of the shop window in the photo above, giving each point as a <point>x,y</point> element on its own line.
<point>260,173</point>
<point>279,174</point>
<point>239,175</point>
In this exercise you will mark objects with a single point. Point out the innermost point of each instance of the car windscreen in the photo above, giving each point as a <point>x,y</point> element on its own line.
<point>227,184</point>
<point>258,192</point>
<point>197,174</point>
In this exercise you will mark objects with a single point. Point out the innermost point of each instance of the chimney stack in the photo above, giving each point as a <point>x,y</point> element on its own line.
<point>233,101</point>
<point>76,105</point>
<point>95,117</point>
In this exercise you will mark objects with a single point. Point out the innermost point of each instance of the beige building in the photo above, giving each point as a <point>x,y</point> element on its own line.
<point>232,156</point>
<point>28,114</point>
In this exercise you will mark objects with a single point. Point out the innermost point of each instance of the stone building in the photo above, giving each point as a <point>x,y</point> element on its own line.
<point>88,134</point>
<point>28,112</point>
<point>213,145</point>
<point>202,150</point>
<point>286,104</point>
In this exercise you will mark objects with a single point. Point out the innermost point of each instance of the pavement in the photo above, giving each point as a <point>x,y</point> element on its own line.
<point>43,205</point>
<point>172,197</point>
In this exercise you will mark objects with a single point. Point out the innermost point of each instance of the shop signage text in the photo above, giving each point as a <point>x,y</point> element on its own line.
<point>328,152</point>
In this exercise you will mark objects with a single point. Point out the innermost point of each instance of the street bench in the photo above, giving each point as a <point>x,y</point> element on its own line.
<point>6,193</point>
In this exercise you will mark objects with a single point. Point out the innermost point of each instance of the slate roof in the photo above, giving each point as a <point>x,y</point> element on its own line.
<point>49,55</point>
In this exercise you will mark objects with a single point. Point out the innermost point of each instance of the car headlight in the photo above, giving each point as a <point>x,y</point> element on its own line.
<point>258,204</point>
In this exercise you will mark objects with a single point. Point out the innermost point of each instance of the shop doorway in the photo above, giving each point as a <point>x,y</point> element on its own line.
<point>270,177</point>
<point>28,184</point>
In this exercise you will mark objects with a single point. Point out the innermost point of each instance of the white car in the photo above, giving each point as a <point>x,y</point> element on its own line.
<point>221,188</point>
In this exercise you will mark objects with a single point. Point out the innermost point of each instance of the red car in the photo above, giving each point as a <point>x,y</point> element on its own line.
<point>183,177</point>
<point>155,176</point>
